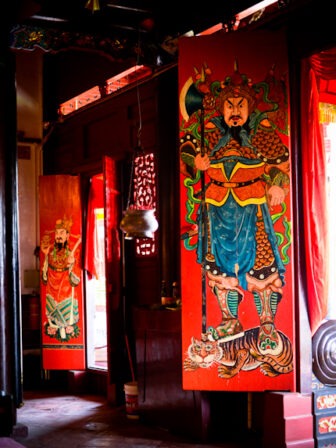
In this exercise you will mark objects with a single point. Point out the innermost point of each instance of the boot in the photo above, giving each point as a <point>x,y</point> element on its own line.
<point>230,327</point>
<point>268,339</point>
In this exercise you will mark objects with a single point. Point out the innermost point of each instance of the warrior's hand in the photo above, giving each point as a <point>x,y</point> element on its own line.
<point>276,195</point>
<point>45,249</point>
<point>221,282</point>
<point>202,162</point>
<point>45,245</point>
<point>71,259</point>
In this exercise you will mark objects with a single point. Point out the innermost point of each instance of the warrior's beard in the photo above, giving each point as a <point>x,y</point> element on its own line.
<point>59,246</point>
<point>235,132</point>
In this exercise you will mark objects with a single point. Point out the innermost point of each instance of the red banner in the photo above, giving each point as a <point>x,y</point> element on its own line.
<point>63,326</point>
<point>235,208</point>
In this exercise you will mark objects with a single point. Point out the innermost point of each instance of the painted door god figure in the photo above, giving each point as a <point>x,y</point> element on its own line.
<point>61,273</point>
<point>231,144</point>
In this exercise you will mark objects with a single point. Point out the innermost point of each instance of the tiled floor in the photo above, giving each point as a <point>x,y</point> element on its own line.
<point>60,421</point>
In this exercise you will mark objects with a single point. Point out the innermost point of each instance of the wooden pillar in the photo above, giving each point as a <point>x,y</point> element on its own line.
<point>169,170</point>
<point>10,359</point>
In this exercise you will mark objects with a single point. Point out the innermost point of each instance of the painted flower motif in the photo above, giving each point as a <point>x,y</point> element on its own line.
<point>51,331</point>
<point>71,331</point>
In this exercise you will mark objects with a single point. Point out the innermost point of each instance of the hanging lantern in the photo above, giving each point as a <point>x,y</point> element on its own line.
<point>139,219</point>
<point>138,223</point>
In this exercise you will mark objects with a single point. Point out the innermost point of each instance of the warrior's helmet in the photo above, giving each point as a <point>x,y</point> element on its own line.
<point>65,223</point>
<point>235,86</point>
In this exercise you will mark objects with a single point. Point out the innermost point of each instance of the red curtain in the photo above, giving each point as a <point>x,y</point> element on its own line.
<point>96,200</point>
<point>315,68</point>
<point>104,193</point>
<point>112,240</point>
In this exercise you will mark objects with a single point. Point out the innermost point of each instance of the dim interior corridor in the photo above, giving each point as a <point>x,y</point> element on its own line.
<point>56,420</point>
